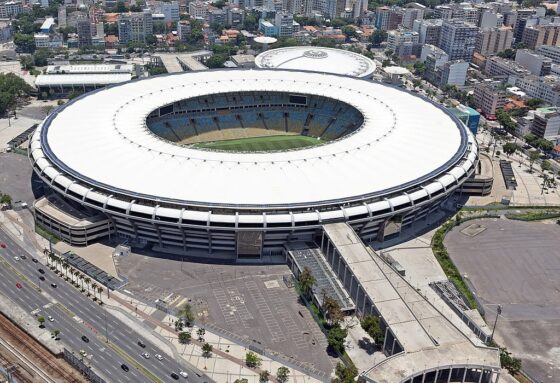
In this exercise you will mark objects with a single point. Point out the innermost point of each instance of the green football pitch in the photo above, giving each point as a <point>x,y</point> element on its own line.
<point>261,144</point>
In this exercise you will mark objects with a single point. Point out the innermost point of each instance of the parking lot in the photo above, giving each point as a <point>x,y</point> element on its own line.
<point>251,301</point>
<point>517,265</point>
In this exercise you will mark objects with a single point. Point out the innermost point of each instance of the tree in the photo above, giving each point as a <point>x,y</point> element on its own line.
<point>100,290</point>
<point>55,333</point>
<point>40,56</point>
<point>507,54</point>
<point>335,338</point>
<point>534,103</point>
<point>241,380</point>
<point>185,337</point>
<point>372,325</point>
<point>530,138</point>
<point>264,376</point>
<point>216,61</point>
<point>200,332</point>
<point>550,12</point>
<point>546,165</point>
<point>252,360</point>
<point>187,313</point>
<point>510,148</point>
<point>332,310</point>
<point>377,37</point>
<point>513,365</point>
<point>207,350</point>
<point>24,42</point>
<point>94,288</point>
<point>544,144</point>
<point>41,320</point>
<point>533,156</point>
<point>282,374</point>
<point>349,31</point>
<point>306,280</point>
<point>88,280</point>
<point>345,374</point>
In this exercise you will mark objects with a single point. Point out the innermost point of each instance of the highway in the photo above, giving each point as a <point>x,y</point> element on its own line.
<point>76,315</point>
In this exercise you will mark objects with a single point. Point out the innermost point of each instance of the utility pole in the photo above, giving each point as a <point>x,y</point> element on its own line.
<point>498,312</point>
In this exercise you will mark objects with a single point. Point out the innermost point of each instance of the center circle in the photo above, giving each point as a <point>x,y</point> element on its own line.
<point>254,121</point>
<point>315,54</point>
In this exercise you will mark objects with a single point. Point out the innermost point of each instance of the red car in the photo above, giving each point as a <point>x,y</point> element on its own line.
<point>2,245</point>
<point>18,285</point>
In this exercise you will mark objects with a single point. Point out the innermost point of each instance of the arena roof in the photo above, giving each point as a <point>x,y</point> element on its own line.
<point>405,140</point>
<point>318,59</point>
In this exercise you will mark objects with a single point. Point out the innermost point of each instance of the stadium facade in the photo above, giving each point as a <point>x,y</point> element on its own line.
<point>387,158</point>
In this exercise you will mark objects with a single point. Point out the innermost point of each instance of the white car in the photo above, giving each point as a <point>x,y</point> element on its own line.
<point>146,355</point>
<point>158,357</point>
<point>50,318</point>
<point>183,374</point>
<point>16,258</point>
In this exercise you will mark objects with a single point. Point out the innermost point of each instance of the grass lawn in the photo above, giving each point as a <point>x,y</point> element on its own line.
<point>261,144</point>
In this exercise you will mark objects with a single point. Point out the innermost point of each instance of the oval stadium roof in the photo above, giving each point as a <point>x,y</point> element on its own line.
<point>317,59</point>
<point>102,139</point>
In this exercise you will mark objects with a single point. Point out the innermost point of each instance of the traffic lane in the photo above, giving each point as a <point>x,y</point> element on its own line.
<point>29,298</point>
<point>75,301</point>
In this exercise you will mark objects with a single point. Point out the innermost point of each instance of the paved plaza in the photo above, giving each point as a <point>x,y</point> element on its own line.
<point>516,264</point>
<point>249,302</point>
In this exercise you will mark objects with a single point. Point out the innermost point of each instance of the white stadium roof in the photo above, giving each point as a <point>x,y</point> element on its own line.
<point>317,59</point>
<point>404,140</point>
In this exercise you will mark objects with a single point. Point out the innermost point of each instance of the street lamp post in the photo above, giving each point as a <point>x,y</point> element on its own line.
<point>498,312</point>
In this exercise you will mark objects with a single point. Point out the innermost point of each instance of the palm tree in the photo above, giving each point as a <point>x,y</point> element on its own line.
<point>81,277</point>
<point>47,254</point>
<point>94,287</point>
<point>88,280</point>
<point>65,266</point>
<point>77,274</point>
<point>100,290</point>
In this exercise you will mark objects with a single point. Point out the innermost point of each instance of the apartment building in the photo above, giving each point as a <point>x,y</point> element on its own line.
<point>489,97</point>
<point>458,39</point>
<point>536,35</point>
<point>534,62</point>
<point>491,41</point>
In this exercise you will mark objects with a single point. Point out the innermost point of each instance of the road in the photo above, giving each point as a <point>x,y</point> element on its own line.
<point>76,315</point>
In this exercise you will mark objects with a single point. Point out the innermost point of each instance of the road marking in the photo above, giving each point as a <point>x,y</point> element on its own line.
<point>147,373</point>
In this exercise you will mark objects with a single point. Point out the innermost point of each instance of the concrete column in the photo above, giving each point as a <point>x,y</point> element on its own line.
<point>464,375</point>
<point>497,376</point>
<point>385,338</point>
<point>437,374</point>
<point>423,376</point>
<point>481,374</point>
<point>449,376</point>
<point>394,343</point>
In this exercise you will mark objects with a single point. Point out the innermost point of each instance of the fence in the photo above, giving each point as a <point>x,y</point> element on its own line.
<point>79,365</point>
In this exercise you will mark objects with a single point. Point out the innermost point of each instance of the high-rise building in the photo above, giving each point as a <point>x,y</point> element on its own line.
<point>284,23</point>
<point>489,97</point>
<point>62,16</point>
<point>533,62</point>
<point>135,26</point>
<point>491,41</point>
<point>198,9</point>
<point>235,18</point>
<point>400,37</point>
<point>536,35</point>
<point>83,28</point>
<point>9,9</point>
<point>546,124</point>
<point>458,39</point>
<point>388,19</point>
<point>551,52</point>
<point>497,67</point>
<point>411,14</point>
<point>454,73</point>
<point>546,88</point>
<point>428,30</point>
<point>183,30</point>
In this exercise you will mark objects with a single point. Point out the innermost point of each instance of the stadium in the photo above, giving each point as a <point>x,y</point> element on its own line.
<point>238,163</point>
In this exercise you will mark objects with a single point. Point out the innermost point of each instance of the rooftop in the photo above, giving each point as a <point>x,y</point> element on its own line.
<point>115,146</point>
<point>318,59</point>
